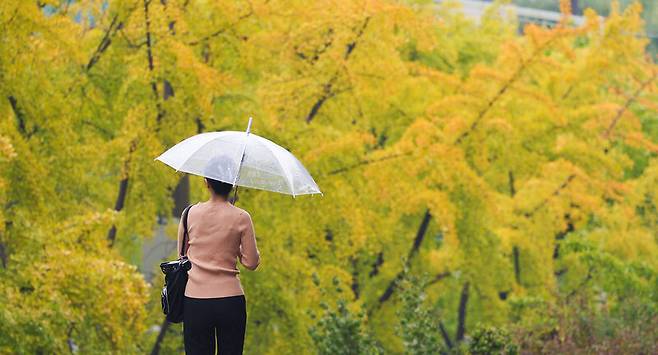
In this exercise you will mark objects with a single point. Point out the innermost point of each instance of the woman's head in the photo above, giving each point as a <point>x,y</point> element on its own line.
<point>219,187</point>
<point>220,168</point>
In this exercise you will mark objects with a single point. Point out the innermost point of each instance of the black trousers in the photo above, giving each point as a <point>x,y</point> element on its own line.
<point>207,319</point>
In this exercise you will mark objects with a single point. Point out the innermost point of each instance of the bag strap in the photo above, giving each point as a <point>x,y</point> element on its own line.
<point>185,233</point>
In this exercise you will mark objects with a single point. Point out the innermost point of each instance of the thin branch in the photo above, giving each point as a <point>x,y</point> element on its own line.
<point>355,278</point>
<point>366,162</point>
<point>327,93</point>
<point>3,255</point>
<point>418,240</point>
<point>223,29</point>
<point>568,92</point>
<point>439,277</point>
<point>445,336</point>
<point>582,283</point>
<point>105,42</point>
<point>317,53</point>
<point>327,88</point>
<point>149,55</point>
<point>352,45</point>
<point>375,266</point>
<point>20,118</point>
<point>11,19</point>
<point>555,193</point>
<point>627,104</point>
<point>108,134</point>
<point>507,85</point>
<point>562,234</point>
<point>131,44</point>
<point>149,45</point>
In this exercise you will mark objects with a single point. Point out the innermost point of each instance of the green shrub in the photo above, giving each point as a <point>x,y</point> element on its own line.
<point>491,340</point>
<point>341,332</point>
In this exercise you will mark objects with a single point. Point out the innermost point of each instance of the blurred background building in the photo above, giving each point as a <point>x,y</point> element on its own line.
<point>547,13</point>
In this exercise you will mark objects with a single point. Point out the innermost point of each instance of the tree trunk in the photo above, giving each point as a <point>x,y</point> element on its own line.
<point>181,195</point>
<point>420,235</point>
<point>461,324</point>
<point>517,265</point>
<point>158,341</point>
<point>444,334</point>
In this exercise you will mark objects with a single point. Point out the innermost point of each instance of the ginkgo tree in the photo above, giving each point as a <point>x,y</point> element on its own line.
<point>516,171</point>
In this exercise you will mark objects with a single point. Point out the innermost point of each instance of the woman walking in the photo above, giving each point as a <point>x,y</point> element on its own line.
<point>215,305</point>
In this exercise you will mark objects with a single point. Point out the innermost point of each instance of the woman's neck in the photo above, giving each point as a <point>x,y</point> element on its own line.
<point>217,199</point>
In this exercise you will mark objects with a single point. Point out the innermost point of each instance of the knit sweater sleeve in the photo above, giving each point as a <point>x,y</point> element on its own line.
<point>249,254</point>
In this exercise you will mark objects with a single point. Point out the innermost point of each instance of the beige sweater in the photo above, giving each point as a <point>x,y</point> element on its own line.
<point>219,233</point>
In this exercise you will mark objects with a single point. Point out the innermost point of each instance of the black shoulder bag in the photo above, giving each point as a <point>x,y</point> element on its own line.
<point>176,280</point>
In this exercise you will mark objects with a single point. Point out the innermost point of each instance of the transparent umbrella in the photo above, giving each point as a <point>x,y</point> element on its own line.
<point>241,159</point>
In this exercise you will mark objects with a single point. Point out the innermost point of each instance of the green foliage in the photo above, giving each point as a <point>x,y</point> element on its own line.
<point>339,331</point>
<point>491,340</point>
<point>518,171</point>
<point>419,323</point>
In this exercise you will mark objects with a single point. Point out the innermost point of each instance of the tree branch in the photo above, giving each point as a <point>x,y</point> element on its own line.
<point>327,93</point>
<point>130,42</point>
<point>375,267</point>
<point>555,193</point>
<point>366,162</point>
<point>123,184</point>
<point>315,56</point>
<point>123,191</point>
<point>439,277</point>
<point>355,278</point>
<point>627,104</point>
<point>3,255</point>
<point>161,335</point>
<point>224,29</point>
<point>149,55</point>
<point>506,86</point>
<point>418,240</point>
<point>461,313</point>
<point>517,264</point>
<point>149,44</point>
<point>20,118</point>
<point>445,336</point>
<point>562,234</point>
<point>327,88</point>
<point>582,283</point>
<point>105,41</point>
<point>108,134</point>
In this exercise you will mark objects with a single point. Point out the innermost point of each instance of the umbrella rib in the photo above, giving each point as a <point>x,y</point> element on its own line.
<point>199,148</point>
<point>196,150</point>
<point>289,178</point>
<point>244,150</point>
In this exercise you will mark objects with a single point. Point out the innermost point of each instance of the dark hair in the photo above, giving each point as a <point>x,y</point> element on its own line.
<point>219,187</point>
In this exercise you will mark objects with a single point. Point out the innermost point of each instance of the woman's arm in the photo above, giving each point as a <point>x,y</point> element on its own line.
<point>249,254</point>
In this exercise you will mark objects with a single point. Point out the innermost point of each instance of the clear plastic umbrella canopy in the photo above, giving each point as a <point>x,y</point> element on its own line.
<point>242,159</point>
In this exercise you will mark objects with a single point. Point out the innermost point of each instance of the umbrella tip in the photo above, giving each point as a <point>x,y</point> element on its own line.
<point>249,124</point>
